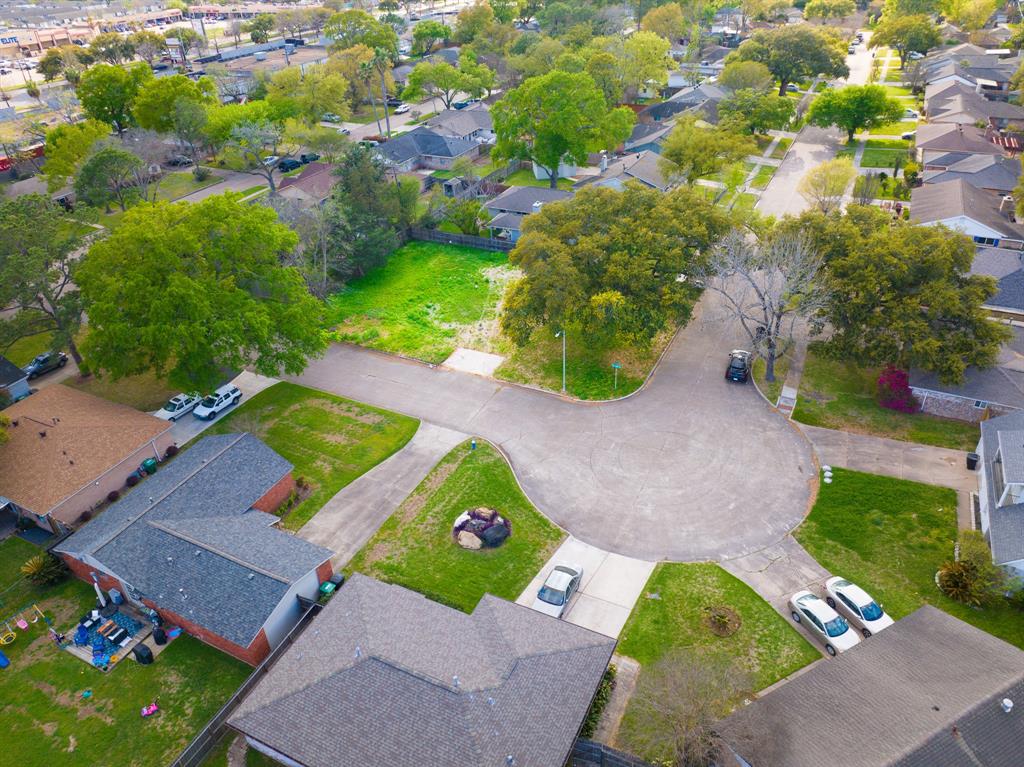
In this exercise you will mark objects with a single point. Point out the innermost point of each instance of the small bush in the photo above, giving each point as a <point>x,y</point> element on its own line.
<point>84,370</point>
<point>604,694</point>
<point>894,391</point>
<point>133,480</point>
<point>113,495</point>
<point>201,173</point>
<point>84,517</point>
<point>172,451</point>
<point>44,569</point>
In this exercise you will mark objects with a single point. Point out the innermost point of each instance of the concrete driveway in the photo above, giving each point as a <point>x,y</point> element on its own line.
<point>689,469</point>
<point>611,585</point>
<point>189,427</point>
<point>812,147</point>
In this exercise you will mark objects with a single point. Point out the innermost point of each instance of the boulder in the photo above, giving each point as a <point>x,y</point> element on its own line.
<point>483,513</point>
<point>468,540</point>
<point>494,535</point>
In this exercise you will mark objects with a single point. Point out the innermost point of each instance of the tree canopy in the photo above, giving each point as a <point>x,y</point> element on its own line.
<point>829,9</point>
<point>609,262</point>
<point>905,35</point>
<point>746,75</point>
<point>107,92</point>
<point>555,118</point>
<point>186,290</point>
<point>855,108</point>
<point>67,146</point>
<point>153,107</point>
<point>107,176</point>
<point>426,34</point>
<point>756,111</point>
<point>695,150</point>
<point>357,27</point>
<point>794,53</point>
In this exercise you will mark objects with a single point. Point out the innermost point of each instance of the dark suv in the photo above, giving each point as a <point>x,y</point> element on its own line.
<point>45,362</point>
<point>288,165</point>
<point>739,366</point>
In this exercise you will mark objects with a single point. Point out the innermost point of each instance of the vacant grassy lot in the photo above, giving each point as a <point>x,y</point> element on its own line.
<point>763,176</point>
<point>48,723</point>
<point>781,148</point>
<point>841,395</point>
<point>671,613</point>
<point>143,392</point>
<point>588,370</point>
<point>894,129</point>
<point>417,303</point>
<point>882,158</point>
<point>329,439</point>
<point>890,536</point>
<point>415,549</point>
<point>525,177</point>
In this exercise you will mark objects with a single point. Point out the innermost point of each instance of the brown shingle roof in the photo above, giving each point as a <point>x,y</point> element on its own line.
<point>85,436</point>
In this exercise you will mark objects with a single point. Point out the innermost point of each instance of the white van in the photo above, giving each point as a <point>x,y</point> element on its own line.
<point>220,400</point>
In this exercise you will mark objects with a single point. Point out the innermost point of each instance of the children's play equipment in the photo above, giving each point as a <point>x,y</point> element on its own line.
<point>149,710</point>
<point>4,663</point>
<point>21,618</point>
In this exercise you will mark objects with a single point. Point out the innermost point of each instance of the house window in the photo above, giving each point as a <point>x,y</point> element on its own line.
<point>980,404</point>
<point>986,241</point>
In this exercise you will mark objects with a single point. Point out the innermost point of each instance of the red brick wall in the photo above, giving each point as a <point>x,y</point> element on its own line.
<point>324,571</point>
<point>275,496</point>
<point>253,654</point>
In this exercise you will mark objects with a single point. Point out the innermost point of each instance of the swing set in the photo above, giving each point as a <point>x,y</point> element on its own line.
<point>22,618</point>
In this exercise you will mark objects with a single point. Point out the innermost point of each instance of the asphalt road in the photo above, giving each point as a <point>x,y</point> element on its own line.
<point>691,468</point>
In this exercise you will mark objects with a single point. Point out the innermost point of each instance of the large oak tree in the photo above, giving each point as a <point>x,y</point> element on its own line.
<point>795,53</point>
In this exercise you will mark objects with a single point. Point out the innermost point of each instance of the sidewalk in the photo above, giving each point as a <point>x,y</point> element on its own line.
<point>611,585</point>
<point>353,515</point>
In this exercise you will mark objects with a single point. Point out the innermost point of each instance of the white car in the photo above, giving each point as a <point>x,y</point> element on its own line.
<point>915,55</point>
<point>271,161</point>
<point>215,403</point>
<point>177,406</point>
<point>828,627</point>
<point>910,114</point>
<point>856,605</point>
<point>561,583</point>
<point>401,109</point>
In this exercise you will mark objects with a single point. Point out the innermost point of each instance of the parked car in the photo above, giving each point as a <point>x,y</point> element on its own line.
<point>44,363</point>
<point>915,55</point>
<point>271,161</point>
<point>739,366</point>
<point>177,406</point>
<point>369,143</point>
<point>561,583</point>
<point>309,157</point>
<point>792,88</point>
<point>401,109</point>
<point>851,49</point>
<point>331,117</point>
<point>213,404</point>
<point>910,114</point>
<point>856,605</point>
<point>289,164</point>
<point>179,161</point>
<point>394,101</point>
<point>828,627</point>
<point>909,135</point>
<point>464,104</point>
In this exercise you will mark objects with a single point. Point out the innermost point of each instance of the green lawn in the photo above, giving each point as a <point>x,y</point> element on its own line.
<point>47,723</point>
<point>330,440</point>
<point>763,141</point>
<point>16,591</point>
<point>894,129</point>
<point>143,392</point>
<point>889,189</point>
<point>172,187</point>
<point>525,177</point>
<point>414,547</point>
<point>763,176</point>
<point>720,176</point>
<point>254,190</point>
<point>771,390</point>
<point>887,143</point>
<point>22,351</point>
<point>743,203</point>
<point>882,158</point>
<point>481,170</point>
<point>890,536</point>
<point>671,614</point>
<point>781,148</point>
<point>419,301</point>
<point>588,371</point>
<point>898,91</point>
<point>841,395</point>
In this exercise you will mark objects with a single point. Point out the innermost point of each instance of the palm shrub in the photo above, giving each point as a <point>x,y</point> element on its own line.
<point>44,569</point>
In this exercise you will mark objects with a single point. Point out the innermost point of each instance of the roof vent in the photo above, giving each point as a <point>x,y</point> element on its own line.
<point>195,553</point>
<point>1007,705</point>
<point>490,701</point>
<point>455,681</point>
<point>171,559</point>
<point>250,576</point>
<point>510,760</point>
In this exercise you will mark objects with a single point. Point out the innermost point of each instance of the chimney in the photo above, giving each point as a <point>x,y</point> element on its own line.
<point>1006,705</point>
<point>537,206</point>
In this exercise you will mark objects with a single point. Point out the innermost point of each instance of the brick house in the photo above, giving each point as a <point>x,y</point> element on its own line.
<point>197,542</point>
<point>67,450</point>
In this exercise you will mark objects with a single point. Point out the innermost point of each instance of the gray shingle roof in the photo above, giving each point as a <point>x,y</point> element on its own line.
<point>996,262</point>
<point>405,681</point>
<point>1002,384</point>
<point>462,122</point>
<point>188,538</point>
<point>888,701</point>
<point>950,137</point>
<point>422,141</point>
<point>982,171</point>
<point>1010,292</point>
<point>1006,523</point>
<point>520,199</point>
<point>9,372</point>
<point>937,202</point>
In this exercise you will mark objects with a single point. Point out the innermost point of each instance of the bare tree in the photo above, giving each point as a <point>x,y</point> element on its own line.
<point>235,30</point>
<point>678,700</point>
<point>64,103</point>
<point>251,141</point>
<point>870,183</point>
<point>230,86</point>
<point>315,225</point>
<point>766,285</point>
<point>150,147</point>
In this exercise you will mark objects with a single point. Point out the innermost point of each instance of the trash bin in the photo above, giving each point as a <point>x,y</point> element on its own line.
<point>327,588</point>
<point>115,597</point>
<point>338,579</point>
<point>148,466</point>
<point>143,654</point>
<point>159,636</point>
<point>972,461</point>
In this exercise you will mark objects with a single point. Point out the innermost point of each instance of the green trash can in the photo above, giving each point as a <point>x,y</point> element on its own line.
<point>327,588</point>
<point>148,466</point>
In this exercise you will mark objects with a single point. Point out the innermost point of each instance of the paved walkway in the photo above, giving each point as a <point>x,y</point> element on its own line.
<point>671,472</point>
<point>353,515</point>
<point>611,585</point>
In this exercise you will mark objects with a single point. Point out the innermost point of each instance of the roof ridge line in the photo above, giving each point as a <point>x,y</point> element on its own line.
<point>177,486</point>
<point>231,558</point>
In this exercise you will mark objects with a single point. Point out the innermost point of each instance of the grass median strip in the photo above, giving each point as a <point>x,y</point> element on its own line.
<point>414,547</point>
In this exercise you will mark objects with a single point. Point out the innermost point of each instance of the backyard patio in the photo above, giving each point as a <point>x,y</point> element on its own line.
<point>104,637</point>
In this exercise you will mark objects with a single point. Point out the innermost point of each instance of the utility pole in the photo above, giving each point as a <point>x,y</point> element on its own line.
<point>561,334</point>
